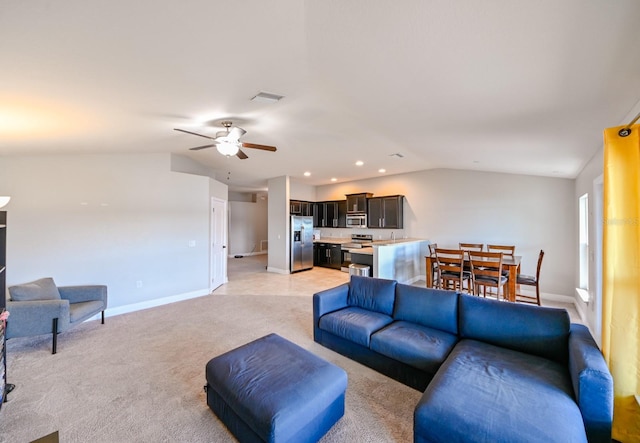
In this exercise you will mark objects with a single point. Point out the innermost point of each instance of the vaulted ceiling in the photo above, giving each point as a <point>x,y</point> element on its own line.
<point>495,85</point>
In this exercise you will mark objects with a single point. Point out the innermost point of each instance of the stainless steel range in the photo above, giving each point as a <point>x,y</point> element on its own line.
<point>358,241</point>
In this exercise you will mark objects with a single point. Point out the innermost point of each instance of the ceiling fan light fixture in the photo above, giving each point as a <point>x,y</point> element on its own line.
<point>227,149</point>
<point>266,97</point>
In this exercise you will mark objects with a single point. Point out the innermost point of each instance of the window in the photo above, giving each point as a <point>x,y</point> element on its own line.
<point>583,216</point>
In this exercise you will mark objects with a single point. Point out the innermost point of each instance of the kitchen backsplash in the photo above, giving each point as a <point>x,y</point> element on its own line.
<point>378,234</point>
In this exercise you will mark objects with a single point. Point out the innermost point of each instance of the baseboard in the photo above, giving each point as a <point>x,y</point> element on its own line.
<point>413,280</point>
<point>247,254</point>
<point>277,270</point>
<point>110,312</point>
<point>552,297</point>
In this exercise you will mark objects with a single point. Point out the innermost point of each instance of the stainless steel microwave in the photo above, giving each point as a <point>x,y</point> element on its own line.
<point>356,220</point>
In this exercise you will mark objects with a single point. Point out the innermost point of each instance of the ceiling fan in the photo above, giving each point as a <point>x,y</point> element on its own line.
<point>228,142</point>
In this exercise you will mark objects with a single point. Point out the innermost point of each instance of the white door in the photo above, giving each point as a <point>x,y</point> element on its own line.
<point>218,243</point>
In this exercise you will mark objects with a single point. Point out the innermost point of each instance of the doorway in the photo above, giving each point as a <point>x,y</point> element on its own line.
<point>218,258</point>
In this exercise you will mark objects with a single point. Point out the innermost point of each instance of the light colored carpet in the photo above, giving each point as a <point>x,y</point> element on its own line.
<point>140,377</point>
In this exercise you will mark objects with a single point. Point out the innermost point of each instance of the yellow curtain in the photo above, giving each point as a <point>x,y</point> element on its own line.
<point>621,277</point>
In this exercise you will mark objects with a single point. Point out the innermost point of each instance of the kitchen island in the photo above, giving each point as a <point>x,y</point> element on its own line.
<point>400,259</point>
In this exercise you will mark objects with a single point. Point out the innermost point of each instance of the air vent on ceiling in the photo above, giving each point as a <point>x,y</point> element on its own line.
<point>266,97</point>
<point>397,154</point>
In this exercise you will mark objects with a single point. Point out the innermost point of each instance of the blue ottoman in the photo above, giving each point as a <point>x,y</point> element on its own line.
<point>272,390</point>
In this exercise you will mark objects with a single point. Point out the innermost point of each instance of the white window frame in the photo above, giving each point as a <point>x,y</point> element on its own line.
<point>583,241</point>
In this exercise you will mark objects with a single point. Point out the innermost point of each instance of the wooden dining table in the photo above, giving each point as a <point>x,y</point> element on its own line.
<point>511,263</point>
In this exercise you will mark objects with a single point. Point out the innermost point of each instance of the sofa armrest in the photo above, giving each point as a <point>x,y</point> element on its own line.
<point>78,294</point>
<point>329,300</point>
<point>592,384</point>
<point>28,318</point>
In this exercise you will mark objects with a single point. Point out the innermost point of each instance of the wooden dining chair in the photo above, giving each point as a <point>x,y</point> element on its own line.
<point>530,280</point>
<point>471,246</point>
<point>434,264</point>
<point>451,273</point>
<point>507,251</point>
<point>486,272</point>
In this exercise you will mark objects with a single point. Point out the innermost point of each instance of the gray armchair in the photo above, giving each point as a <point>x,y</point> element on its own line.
<point>41,307</point>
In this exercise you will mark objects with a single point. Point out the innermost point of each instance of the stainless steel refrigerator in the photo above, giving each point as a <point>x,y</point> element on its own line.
<point>301,243</point>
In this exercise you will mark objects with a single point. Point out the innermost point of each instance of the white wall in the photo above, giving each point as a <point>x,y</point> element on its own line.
<point>248,226</point>
<point>107,219</point>
<point>451,206</point>
<point>302,191</point>
<point>278,259</point>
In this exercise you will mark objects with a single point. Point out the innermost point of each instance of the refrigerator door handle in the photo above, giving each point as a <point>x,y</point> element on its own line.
<point>302,235</point>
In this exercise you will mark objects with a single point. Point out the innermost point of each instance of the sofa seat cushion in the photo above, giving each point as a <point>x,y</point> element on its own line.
<point>419,346</point>
<point>354,324</point>
<point>84,310</point>
<point>484,393</point>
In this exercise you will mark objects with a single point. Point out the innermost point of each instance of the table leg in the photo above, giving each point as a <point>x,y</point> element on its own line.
<point>429,277</point>
<point>511,284</point>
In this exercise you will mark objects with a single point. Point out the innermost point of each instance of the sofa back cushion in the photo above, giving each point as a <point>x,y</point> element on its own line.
<point>43,289</point>
<point>374,294</point>
<point>532,329</point>
<point>434,308</point>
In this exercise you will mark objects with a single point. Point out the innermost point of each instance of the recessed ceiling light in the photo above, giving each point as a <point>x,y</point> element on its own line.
<point>333,179</point>
<point>266,97</point>
<point>382,170</point>
<point>307,174</point>
<point>359,163</point>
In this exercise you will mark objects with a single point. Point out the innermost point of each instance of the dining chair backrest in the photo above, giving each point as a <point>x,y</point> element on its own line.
<point>505,249</point>
<point>450,260</point>
<point>486,271</point>
<point>451,272</point>
<point>471,246</point>
<point>540,257</point>
<point>432,249</point>
<point>529,280</point>
<point>485,264</point>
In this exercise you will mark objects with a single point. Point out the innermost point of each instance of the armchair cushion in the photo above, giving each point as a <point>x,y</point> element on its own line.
<point>43,289</point>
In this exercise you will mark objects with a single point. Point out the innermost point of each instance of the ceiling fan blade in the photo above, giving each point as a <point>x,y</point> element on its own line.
<point>197,148</point>
<point>263,147</point>
<point>235,133</point>
<point>193,133</point>
<point>241,155</point>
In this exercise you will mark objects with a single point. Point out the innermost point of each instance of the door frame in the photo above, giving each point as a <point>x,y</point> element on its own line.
<point>218,220</point>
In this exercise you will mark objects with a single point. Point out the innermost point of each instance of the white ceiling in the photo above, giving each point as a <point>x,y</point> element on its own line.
<point>494,85</point>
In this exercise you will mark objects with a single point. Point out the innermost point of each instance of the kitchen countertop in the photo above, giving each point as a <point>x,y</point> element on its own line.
<point>335,240</point>
<point>361,251</point>
<point>368,250</point>
<point>397,241</point>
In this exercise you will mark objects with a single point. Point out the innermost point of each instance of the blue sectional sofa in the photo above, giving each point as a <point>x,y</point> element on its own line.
<point>491,371</point>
